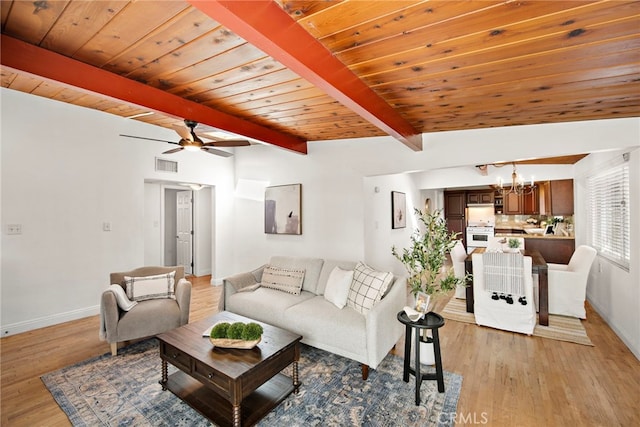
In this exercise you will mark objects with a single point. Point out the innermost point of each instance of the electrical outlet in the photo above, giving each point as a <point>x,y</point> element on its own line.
<point>14,228</point>
<point>106,226</point>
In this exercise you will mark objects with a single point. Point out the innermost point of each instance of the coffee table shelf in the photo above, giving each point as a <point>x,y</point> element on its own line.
<point>219,410</point>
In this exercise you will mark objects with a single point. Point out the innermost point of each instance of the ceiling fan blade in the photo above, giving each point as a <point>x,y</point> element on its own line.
<point>174,150</point>
<point>215,152</point>
<point>182,131</point>
<point>228,143</point>
<point>148,139</point>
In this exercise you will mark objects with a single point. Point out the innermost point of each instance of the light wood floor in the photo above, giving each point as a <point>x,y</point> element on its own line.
<point>509,379</point>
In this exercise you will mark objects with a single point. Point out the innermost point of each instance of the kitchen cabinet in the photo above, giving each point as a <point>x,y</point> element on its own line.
<point>512,204</point>
<point>521,204</point>
<point>556,197</point>
<point>479,197</point>
<point>531,201</point>
<point>454,203</point>
<point>561,197</point>
<point>454,212</point>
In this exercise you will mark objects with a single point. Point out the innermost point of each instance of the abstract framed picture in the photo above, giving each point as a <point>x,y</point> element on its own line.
<point>283,209</point>
<point>398,210</point>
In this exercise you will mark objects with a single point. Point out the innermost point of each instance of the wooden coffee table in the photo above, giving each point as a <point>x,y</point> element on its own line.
<point>230,387</point>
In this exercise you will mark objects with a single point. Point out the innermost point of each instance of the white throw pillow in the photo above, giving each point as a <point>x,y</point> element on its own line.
<point>121,298</point>
<point>338,285</point>
<point>151,287</point>
<point>367,288</point>
<point>282,279</point>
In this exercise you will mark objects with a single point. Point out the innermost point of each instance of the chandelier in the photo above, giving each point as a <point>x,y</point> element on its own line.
<point>517,184</point>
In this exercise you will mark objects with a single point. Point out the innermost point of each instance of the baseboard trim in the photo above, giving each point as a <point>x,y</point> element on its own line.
<point>616,330</point>
<point>216,282</point>
<point>54,319</point>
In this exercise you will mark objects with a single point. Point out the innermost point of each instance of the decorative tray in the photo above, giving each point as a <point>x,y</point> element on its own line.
<point>230,343</point>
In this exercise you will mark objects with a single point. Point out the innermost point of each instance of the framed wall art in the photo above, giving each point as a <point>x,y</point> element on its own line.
<point>283,209</point>
<point>398,210</point>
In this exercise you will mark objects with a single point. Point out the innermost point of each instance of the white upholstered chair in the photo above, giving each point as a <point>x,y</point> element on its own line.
<point>498,314</point>
<point>568,283</point>
<point>458,255</point>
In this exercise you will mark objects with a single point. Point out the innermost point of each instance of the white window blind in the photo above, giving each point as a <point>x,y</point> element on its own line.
<point>609,215</point>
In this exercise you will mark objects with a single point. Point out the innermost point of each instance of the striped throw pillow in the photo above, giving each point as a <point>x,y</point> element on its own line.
<point>283,279</point>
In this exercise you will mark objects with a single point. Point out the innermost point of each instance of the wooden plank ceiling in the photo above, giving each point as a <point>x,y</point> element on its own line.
<point>292,71</point>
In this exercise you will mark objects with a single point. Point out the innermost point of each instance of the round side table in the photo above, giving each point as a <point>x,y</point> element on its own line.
<point>431,321</point>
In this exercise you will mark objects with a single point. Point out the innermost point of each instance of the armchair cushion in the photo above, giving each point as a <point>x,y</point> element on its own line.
<point>151,287</point>
<point>121,298</point>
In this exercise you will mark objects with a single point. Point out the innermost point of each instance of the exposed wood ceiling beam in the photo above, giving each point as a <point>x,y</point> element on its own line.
<point>265,25</point>
<point>31,59</point>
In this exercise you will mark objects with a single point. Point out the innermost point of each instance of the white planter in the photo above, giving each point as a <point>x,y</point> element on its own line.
<point>427,356</point>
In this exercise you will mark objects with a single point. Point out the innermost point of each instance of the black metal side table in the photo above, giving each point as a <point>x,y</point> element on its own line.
<point>431,321</point>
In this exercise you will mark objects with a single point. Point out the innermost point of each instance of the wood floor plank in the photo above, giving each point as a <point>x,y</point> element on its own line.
<point>508,379</point>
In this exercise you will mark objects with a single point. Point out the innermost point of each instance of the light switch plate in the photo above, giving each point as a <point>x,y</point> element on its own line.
<point>14,228</point>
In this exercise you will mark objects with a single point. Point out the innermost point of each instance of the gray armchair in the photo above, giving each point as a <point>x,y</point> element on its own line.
<point>147,318</point>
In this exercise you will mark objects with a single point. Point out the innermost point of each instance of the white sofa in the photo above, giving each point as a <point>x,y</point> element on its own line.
<point>366,338</point>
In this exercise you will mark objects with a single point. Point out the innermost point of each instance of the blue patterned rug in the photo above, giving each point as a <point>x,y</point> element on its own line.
<point>124,391</point>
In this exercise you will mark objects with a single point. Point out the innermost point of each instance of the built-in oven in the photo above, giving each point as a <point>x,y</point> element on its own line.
<point>478,237</point>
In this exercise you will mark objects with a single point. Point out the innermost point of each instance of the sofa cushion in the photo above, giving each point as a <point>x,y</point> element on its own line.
<point>283,279</point>
<point>323,325</point>
<point>266,305</point>
<point>338,285</point>
<point>151,287</point>
<point>311,266</point>
<point>367,288</point>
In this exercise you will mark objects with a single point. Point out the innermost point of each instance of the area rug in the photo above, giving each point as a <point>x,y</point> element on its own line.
<point>560,328</point>
<point>124,390</point>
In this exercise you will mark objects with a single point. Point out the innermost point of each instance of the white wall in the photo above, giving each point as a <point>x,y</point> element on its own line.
<point>611,290</point>
<point>203,229</point>
<point>65,171</point>
<point>332,206</point>
<point>152,219</point>
<point>169,226</point>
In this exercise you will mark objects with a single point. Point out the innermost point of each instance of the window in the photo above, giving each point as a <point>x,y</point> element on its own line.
<point>609,216</point>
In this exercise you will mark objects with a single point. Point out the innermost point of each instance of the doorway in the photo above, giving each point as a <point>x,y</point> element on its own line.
<point>178,227</point>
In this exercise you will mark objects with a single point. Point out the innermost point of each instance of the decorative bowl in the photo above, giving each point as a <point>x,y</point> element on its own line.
<point>231,343</point>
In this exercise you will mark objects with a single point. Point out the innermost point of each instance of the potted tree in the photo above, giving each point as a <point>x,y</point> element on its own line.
<point>424,261</point>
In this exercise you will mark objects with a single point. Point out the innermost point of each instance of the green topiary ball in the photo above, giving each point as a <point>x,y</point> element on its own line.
<point>252,331</point>
<point>220,330</point>
<point>235,331</point>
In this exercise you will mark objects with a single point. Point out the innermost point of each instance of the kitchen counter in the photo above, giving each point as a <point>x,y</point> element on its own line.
<point>535,236</point>
<point>554,249</point>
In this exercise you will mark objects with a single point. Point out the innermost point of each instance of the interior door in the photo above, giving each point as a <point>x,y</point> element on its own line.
<point>184,230</point>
